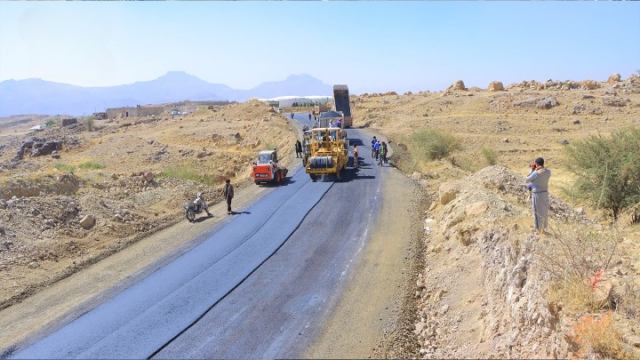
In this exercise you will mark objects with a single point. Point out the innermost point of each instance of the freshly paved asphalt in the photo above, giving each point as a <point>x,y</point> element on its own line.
<point>260,287</point>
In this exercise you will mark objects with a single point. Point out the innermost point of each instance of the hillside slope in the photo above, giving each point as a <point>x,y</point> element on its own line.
<point>488,289</point>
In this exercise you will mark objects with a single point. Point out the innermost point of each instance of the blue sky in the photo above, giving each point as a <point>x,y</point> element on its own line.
<point>371,46</point>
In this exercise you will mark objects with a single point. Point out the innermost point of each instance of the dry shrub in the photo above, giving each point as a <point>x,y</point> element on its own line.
<point>575,295</point>
<point>490,155</point>
<point>574,257</point>
<point>189,171</point>
<point>596,337</point>
<point>433,144</point>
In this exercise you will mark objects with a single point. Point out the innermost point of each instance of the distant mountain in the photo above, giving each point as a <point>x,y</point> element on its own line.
<point>37,96</point>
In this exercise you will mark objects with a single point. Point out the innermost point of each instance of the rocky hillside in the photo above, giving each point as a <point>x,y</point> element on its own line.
<point>490,288</point>
<point>71,195</point>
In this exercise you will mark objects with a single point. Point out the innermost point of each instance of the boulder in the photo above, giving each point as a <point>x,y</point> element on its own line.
<point>55,155</point>
<point>149,176</point>
<point>614,78</point>
<point>589,84</point>
<point>563,141</point>
<point>496,86</point>
<point>547,103</point>
<point>447,193</point>
<point>88,221</point>
<point>615,101</point>
<point>67,122</point>
<point>602,291</point>
<point>527,102</point>
<point>476,209</point>
<point>47,148</point>
<point>458,85</point>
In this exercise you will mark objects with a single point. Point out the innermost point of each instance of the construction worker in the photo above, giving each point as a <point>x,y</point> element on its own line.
<point>355,156</point>
<point>373,146</point>
<point>384,158</point>
<point>227,193</point>
<point>298,149</point>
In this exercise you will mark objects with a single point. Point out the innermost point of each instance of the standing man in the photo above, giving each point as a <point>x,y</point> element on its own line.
<point>298,149</point>
<point>355,156</point>
<point>309,116</point>
<point>539,180</point>
<point>227,192</point>
<point>384,147</point>
<point>291,115</point>
<point>373,146</point>
<point>376,147</point>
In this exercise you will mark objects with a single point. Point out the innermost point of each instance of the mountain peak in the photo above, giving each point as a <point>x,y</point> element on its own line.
<point>176,75</point>
<point>300,77</point>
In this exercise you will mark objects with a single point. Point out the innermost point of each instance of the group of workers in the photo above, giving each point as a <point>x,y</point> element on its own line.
<point>379,151</point>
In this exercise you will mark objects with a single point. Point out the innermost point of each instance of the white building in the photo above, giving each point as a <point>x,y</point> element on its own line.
<point>288,101</point>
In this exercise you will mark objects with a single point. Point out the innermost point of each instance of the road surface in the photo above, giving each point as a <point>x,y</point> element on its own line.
<point>260,287</point>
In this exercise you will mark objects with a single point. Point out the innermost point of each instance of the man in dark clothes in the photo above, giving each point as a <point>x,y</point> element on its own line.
<point>298,149</point>
<point>227,193</point>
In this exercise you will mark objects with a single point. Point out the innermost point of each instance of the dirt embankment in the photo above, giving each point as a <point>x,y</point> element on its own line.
<point>127,178</point>
<point>486,290</point>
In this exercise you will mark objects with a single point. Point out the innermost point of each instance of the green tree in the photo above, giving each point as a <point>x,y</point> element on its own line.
<point>607,169</point>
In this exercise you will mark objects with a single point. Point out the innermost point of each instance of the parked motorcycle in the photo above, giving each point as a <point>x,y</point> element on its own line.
<point>194,207</point>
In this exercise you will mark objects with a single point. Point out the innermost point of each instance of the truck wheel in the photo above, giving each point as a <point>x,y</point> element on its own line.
<point>313,177</point>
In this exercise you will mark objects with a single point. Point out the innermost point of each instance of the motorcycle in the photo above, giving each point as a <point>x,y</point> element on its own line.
<point>192,208</point>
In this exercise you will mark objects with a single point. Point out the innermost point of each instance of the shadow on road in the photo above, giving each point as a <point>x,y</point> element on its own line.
<point>202,218</point>
<point>286,181</point>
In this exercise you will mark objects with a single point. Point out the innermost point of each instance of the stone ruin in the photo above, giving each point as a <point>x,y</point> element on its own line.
<point>38,147</point>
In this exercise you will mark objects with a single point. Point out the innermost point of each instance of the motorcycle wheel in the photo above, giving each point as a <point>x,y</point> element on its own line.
<point>191,215</point>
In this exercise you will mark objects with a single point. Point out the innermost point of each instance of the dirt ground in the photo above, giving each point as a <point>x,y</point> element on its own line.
<point>459,306</point>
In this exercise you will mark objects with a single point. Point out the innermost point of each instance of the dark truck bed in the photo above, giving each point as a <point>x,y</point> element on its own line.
<point>341,103</point>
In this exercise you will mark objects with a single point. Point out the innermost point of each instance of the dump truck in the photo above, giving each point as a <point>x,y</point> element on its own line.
<point>327,148</point>
<point>319,109</point>
<point>341,103</point>
<point>267,169</point>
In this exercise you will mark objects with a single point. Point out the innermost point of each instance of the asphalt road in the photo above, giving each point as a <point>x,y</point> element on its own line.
<point>260,287</point>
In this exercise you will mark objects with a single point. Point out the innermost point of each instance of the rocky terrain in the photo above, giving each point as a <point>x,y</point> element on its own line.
<point>486,289</point>
<point>106,184</point>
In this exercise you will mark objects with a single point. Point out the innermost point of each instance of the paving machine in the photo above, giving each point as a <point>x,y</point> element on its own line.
<point>327,148</point>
